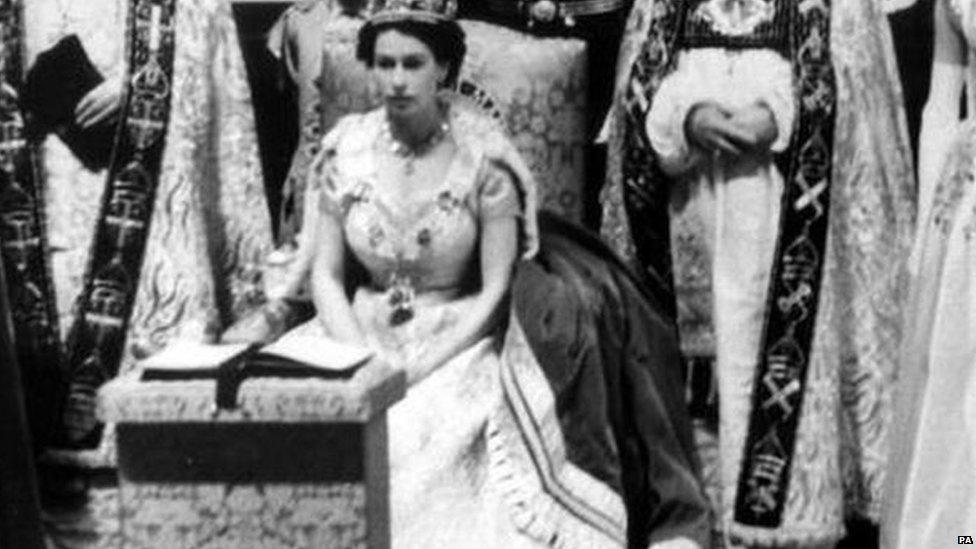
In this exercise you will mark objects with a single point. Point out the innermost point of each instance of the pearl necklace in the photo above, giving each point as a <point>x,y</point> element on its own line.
<point>411,154</point>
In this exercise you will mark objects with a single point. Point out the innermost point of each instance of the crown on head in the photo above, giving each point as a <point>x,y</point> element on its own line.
<point>428,11</point>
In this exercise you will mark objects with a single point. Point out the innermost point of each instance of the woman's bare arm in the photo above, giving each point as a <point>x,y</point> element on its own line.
<point>332,306</point>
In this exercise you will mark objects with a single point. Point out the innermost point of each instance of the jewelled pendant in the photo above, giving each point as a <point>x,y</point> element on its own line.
<point>401,300</point>
<point>402,308</point>
<point>401,315</point>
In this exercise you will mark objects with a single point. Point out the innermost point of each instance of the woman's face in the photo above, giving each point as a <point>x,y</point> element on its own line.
<point>408,73</point>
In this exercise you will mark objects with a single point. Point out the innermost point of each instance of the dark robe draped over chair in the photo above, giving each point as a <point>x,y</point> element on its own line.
<point>20,524</point>
<point>609,350</point>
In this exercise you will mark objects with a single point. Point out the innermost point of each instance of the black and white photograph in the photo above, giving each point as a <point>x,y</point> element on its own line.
<point>488,274</point>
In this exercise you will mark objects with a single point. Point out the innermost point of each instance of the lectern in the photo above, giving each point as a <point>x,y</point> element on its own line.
<point>297,463</point>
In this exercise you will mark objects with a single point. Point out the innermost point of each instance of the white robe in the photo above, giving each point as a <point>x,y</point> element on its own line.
<point>931,492</point>
<point>724,218</point>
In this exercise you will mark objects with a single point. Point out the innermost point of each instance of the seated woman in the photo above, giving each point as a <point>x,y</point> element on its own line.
<point>490,447</point>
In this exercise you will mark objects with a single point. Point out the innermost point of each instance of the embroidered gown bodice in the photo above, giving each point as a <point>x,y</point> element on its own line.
<point>429,238</point>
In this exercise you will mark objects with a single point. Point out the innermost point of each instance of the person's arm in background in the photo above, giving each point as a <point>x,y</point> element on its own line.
<point>941,111</point>
<point>240,218</point>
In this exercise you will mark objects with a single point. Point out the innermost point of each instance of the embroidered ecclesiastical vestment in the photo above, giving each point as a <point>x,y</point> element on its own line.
<point>167,242</point>
<point>781,267</point>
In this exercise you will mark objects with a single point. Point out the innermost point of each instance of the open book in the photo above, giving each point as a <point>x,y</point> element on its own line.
<point>191,360</point>
<point>316,356</point>
<point>290,356</point>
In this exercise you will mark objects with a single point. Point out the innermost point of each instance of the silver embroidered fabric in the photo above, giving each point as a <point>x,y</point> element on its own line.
<point>210,227</point>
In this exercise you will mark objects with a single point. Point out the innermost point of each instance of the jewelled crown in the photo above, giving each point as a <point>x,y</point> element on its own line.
<point>427,11</point>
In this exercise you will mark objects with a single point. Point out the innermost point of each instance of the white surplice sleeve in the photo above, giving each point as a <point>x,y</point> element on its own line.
<point>665,123</point>
<point>772,81</point>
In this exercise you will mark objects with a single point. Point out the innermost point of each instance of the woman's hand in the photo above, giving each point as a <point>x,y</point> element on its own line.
<point>429,359</point>
<point>101,105</point>
<point>712,128</point>
<point>261,326</point>
<point>758,121</point>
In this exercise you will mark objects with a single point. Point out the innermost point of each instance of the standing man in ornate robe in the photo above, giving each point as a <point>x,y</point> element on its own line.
<point>111,252</point>
<point>760,170</point>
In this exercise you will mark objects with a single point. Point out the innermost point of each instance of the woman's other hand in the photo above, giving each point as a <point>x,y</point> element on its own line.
<point>101,105</point>
<point>712,128</point>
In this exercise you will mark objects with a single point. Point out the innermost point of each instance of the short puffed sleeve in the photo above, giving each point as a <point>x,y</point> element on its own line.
<point>322,188</point>
<point>498,193</point>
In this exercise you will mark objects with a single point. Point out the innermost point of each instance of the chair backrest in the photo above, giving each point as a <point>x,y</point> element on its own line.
<point>539,87</point>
